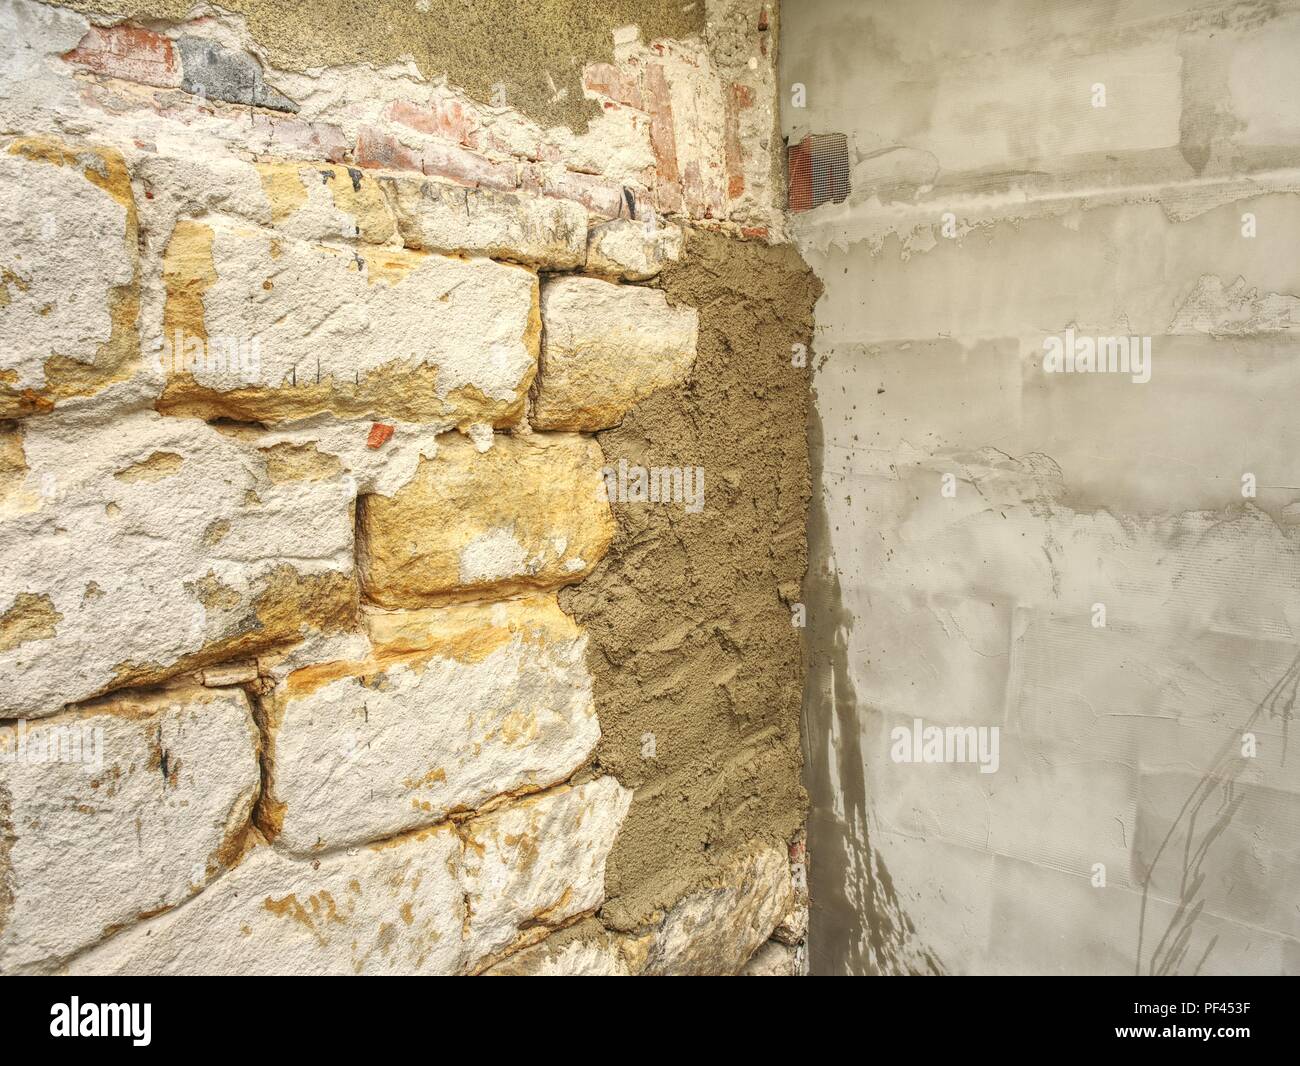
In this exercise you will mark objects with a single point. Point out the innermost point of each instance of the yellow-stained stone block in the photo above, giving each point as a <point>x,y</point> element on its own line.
<point>606,348</point>
<point>322,201</point>
<point>264,327</point>
<point>442,900</point>
<point>539,231</point>
<point>452,707</point>
<point>69,275</point>
<point>531,512</point>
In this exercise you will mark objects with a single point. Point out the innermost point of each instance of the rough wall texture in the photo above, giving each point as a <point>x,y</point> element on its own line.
<point>300,387</point>
<point>689,616</point>
<point>535,52</point>
<point>1143,816</point>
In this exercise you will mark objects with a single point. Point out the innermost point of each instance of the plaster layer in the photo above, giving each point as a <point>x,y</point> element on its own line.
<point>1102,569</point>
<point>688,617</point>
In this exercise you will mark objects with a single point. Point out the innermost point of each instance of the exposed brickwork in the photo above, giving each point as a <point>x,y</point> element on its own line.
<point>379,435</point>
<point>130,53</point>
<point>665,97</point>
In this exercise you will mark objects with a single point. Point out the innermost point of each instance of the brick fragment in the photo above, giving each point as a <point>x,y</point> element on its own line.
<point>131,53</point>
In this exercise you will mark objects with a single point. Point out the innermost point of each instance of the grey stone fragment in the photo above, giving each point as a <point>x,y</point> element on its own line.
<point>209,70</point>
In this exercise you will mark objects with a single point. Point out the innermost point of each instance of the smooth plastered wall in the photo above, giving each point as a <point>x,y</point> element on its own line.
<point>1104,569</point>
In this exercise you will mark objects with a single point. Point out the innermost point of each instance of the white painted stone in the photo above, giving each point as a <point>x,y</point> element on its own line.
<point>722,929</point>
<point>154,807</point>
<point>392,908</point>
<point>456,705</point>
<point>539,231</point>
<point>493,556</point>
<point>537,862</point>
<point>67,257</point>
<point>482,435</point>
<point>361,467</point>
<point>578,958</point>
<point>359,331</point>
<point>150,540</point>
<point>606,347</point>
<point>318,202</point>
<point>63,240</point>
<point>630,250</point>
<point>715,930</point>
<point>326,203</point>
<point>32,37</point>
<point>774,959</point>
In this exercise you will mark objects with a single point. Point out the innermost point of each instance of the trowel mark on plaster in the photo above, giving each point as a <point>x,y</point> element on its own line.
<point>1204,120</point>
<point>1170,951</point>
<point>689,636</point>
<point>859,923</point>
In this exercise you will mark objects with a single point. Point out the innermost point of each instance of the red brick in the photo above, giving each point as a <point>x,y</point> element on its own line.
<point>703,194</point>
<point>377,149</point>
<point>739,97</point>
<point>608,81</point>
<point>129,53</point>
<point>600,196</point>
<point>602,79</point>
<point>668,199</point>
<point>468,168</point>
<point>799,175</point>
<point>662,138</point>
<point>549,152</point>
<point>380,434</point>
<point>449,119</point>
<point>382,151</point>
<point>316,140</point>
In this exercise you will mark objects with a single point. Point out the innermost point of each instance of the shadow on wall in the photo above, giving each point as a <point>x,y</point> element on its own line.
<point>1097,560</point>
<point>857,923</point>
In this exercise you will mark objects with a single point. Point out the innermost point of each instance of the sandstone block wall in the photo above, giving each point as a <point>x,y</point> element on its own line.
<point>299,375</point>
